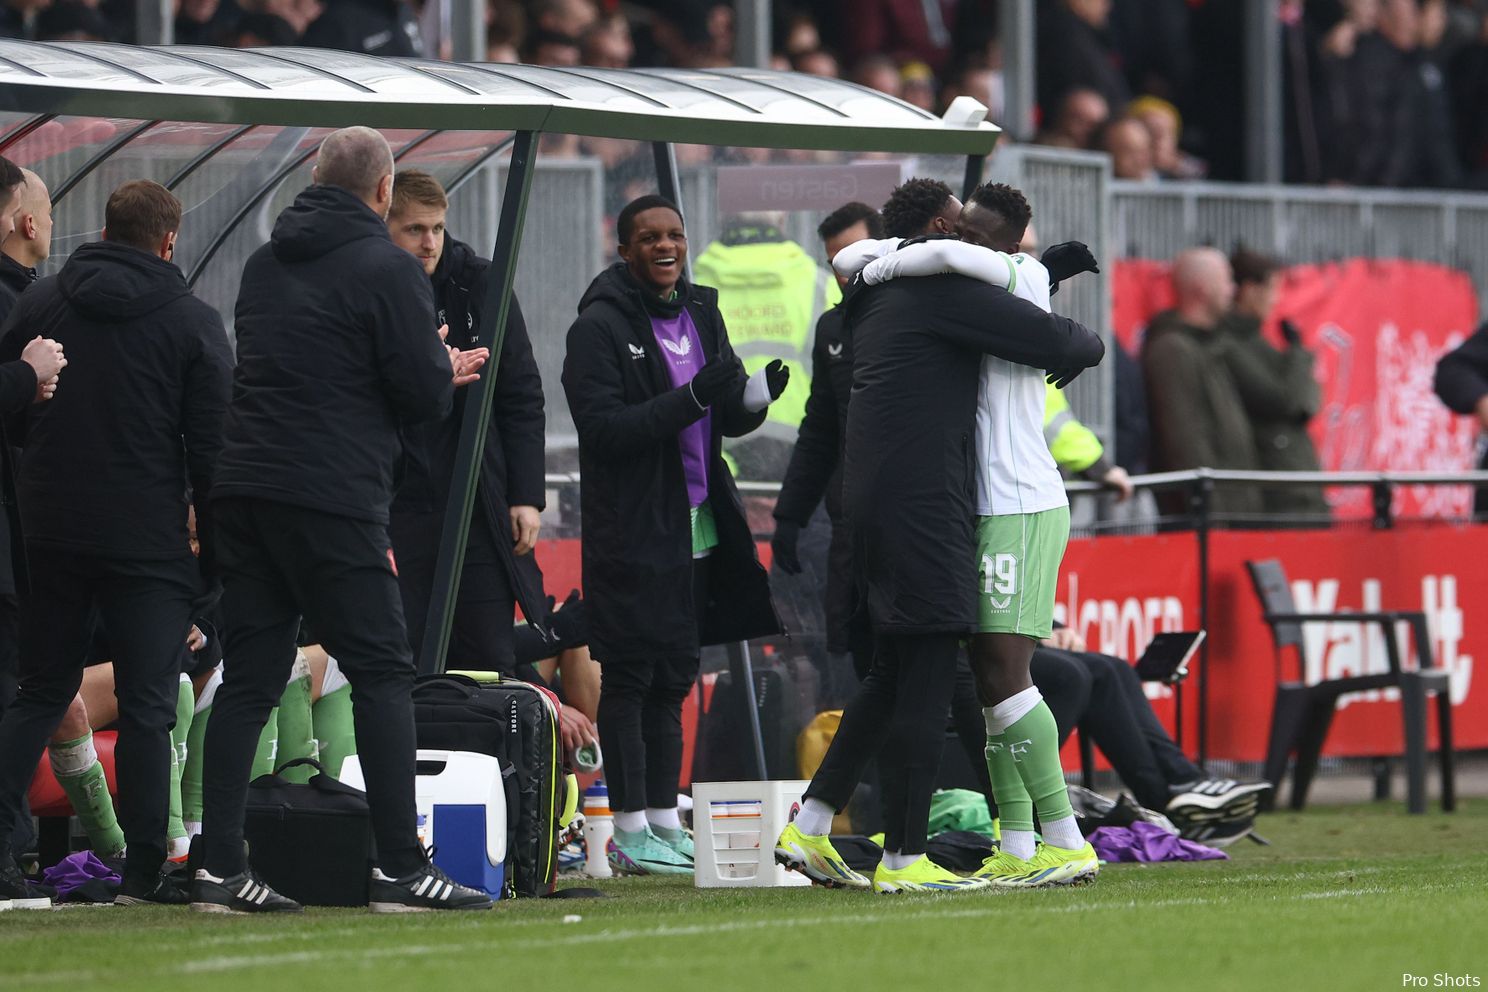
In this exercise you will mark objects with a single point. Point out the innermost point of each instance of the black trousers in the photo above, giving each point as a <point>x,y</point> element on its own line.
<point>279,563</point>
<point>22,836</point>
<point>640,720</point>
<point>1121,723</point>
<point>146,606</point>
<point>899,716</point>
<point>481,637</point>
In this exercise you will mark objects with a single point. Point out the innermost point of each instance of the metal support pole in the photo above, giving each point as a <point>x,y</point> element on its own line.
<point>1384,498</point>
<point>1263,96</point>
<point>973,178</point>
<point>467,27</point>
<point>741,671</point>
<point>1203,500</point>
<point>752,33</point>
<point>154,22</point>
<point>491,332</point>
<point>1019,92</point>
<point>667,183</point>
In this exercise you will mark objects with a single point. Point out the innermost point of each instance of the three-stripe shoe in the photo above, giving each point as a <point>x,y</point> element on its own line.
<point>422,891</point>
<point>1215,802</point>
<point>244,892</point>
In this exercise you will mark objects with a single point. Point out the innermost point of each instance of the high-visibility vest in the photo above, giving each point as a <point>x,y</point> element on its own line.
<point>1073,445</point>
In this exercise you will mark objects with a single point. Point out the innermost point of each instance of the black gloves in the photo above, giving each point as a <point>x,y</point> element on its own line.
<point>1069,258</point>
<point>777,375</point>
<point>713,381</point>
<point>1291,332</point>
<point>783,546</point>
<point>1062,377</point>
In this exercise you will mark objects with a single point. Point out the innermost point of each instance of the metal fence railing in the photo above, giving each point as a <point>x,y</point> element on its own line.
<point>1303,224</point>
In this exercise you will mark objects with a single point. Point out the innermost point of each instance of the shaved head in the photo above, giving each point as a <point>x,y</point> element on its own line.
<point>1204,285</point>
<point>358,160</point>
<point>31,241</point>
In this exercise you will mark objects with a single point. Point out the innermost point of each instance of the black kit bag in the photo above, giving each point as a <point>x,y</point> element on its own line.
<point>311,842</point>
<point>517,723</point>
<point>785,694</point>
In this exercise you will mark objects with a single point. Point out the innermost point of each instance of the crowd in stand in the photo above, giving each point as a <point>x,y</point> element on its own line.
<point>1378,92</point>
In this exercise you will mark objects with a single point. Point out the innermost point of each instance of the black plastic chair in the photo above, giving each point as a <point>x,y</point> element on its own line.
<point>1303,714</point>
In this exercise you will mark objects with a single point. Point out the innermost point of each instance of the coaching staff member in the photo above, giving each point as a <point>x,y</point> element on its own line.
<point>337,354</point>
<point>511,491</point>
<point>103,509</point>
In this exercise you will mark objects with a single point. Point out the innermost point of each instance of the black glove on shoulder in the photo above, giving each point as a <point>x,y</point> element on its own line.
<point>714,380</point>
<point>777,376</point>
<point>1066,259</point>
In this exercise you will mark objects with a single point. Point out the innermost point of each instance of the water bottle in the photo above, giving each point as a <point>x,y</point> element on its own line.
<point>599,827</point>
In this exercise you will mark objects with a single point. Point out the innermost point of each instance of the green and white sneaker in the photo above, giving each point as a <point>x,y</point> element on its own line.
<point>816,858</point>
<point>1049,865</point>
<point>923,875</point>
<point>643,853</point>
<point>678,840</point>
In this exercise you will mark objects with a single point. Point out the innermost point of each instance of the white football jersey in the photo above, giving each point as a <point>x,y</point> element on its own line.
<point>1015,471</point>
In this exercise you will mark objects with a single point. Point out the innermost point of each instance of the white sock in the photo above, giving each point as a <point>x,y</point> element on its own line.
<point>193,827</point>
<point>815,818</point>
<point>663,818</point>
<point>1010,710</point>
<point>631,821</point>
<point>1018,843</point>
<point>893,860</point>
<point>178,847</point>
<point>1063,832</point>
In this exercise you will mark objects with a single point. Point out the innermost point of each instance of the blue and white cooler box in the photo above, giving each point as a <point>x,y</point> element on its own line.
<point>461,813</point>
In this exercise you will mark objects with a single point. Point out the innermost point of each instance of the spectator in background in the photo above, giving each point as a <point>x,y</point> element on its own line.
<point>205,22</point>
<point>255,30</point>
<point>506,31</point>
<point>570,18</point>
<point>900,29</point>
<point>18,17</point>
<point>1277,388</point>
<point>1462,383</point>
<point>551,48</point>
<point>1469,87</point>
<point>917,85</point>
<point>371,27</point>
<point>878,72</point>
<point>1399,113</point>
<point>798,35</point>
<point>1129,144</point>
<point>1076,49</point>
<point>69,21</point>
<point>1157,55</point>
<point>1082,114</point>
<point>1198,418</point>
<point>608,44</point>
<point>298,14</point>
<point>818,63</point>
<point>978,81</point>
<point>1165,125</point>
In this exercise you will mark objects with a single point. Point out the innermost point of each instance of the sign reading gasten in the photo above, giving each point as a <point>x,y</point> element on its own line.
<point>745,188</point>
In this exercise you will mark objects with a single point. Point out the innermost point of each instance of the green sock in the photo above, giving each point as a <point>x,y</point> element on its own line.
<point>268,747</point>
<point>175,830</point>
<point>1033,743</point>
<point>334,729</point>
<point>80,774</point>
<point>296,731</point>
<point>191,774</point>
<point>1014,807</point>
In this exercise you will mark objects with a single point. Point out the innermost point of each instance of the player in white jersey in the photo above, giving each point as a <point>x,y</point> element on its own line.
<point>1022,527</point>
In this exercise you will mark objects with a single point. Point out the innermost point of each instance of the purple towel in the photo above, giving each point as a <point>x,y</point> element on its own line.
<point>1148,842</point>
<point>77,870</point>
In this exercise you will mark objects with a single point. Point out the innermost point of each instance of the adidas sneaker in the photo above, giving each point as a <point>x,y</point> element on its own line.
<point>236,894</point>
<point>422,891</point>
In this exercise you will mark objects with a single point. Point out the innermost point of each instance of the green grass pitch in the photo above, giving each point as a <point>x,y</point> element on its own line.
<point>1345,898</point>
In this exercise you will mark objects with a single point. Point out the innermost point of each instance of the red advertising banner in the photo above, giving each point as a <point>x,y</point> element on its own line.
<point>1117,592</point>
<point>1377,329</point>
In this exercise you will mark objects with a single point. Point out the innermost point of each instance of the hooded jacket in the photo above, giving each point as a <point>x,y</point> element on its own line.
<point>338,353</point>
<point>909,468</point>
<point>511,473</point>
<point>17,391</point>
<point>137,414</point>
<point>637,542</point>
<point>1198,419</point>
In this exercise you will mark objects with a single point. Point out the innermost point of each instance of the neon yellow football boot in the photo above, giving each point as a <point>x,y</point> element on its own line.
<point>816,858</point>
<point>923,875</point>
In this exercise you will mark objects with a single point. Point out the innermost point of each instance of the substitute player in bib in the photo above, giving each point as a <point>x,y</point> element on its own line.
<point>1022,526</point>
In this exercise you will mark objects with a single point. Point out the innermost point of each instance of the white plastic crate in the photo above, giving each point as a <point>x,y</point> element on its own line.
<point>734,829</point>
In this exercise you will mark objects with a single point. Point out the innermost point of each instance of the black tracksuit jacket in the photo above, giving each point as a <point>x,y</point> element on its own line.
<point>337,356</point>
<point>138,411</point>
<point>637,547</point>
<point>908,473</point>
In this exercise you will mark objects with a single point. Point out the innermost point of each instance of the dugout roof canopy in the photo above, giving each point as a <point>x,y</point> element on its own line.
<point>315,87</point>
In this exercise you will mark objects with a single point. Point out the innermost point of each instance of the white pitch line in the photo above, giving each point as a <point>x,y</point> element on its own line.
<point>492,939</point>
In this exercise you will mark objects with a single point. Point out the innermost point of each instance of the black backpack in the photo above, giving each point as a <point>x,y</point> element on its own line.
<point>518,724</point>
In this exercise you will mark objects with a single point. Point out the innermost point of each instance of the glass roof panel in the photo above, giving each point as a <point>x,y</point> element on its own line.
<point>262,67</point>
<point>32,59</point>
<point>159,64</point>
